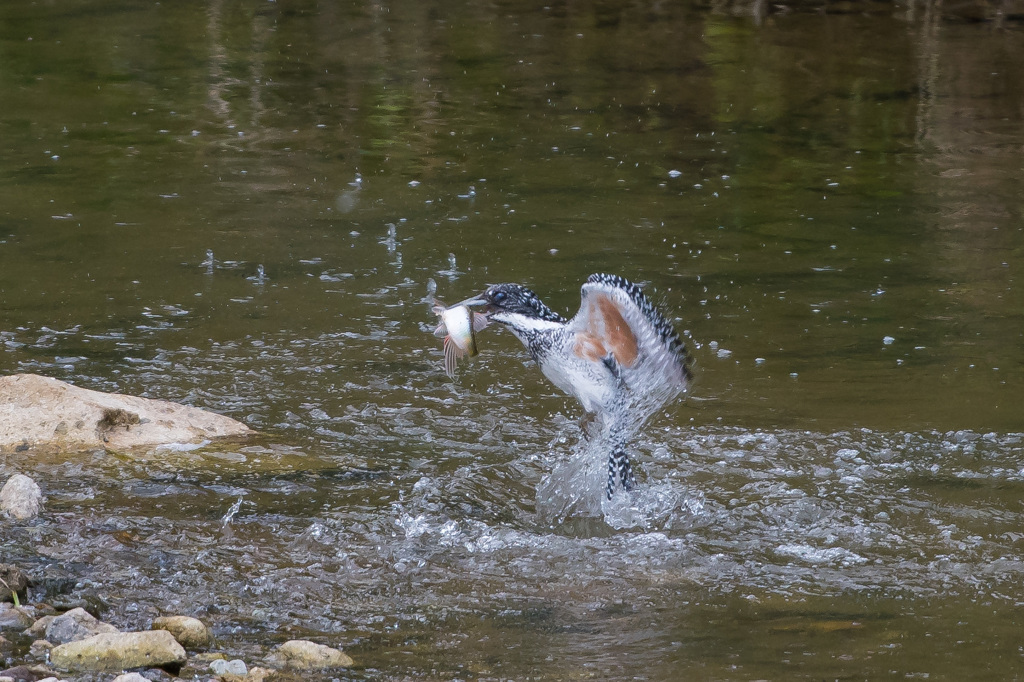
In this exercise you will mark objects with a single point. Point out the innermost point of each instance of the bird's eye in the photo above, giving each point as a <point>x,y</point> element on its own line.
<point>499,297</point>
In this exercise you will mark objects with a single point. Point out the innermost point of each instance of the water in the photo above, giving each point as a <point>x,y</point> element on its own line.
<point>238,205</point>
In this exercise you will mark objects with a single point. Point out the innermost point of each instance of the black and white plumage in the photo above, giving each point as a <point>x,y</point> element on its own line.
<point>618,355</point>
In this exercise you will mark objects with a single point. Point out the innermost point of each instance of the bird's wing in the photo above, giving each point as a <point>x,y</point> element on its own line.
<point>616,319</point>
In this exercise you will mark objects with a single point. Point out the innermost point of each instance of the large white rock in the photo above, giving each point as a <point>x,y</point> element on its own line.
<point>40,413</point>
<point>120,650</point>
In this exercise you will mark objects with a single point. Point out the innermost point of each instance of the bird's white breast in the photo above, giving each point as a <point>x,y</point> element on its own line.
<point>551,345</point>
<point>594,387</point>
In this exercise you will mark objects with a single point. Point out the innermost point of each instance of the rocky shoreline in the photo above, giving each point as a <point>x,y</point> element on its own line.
<point>53,643</point>
<point>63,647</point>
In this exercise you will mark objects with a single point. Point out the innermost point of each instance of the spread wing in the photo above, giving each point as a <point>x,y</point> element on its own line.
<point>618,325</point>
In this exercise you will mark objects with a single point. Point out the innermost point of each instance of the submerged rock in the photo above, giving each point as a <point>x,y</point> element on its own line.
<point>119,651</point>
<point>74,625</point>
<point>190,632</point>
<point>40,413</point>
<point>304,655</point>
<point>20,498</point>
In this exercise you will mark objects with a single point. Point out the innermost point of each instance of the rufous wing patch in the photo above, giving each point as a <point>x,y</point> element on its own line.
<point>589,347</point>
<point>616,336</point>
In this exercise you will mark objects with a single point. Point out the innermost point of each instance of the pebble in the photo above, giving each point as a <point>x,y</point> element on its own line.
<point>20,498</point>
<point>233,667</point>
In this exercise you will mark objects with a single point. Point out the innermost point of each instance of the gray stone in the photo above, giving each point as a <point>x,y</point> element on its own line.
<point>22,673</point>
<point>46,415</point>
<point>40,649</point>
<point>119,651</point>
<point>190,632</point>
<point>14,618</point>
<point>20,498</point>
<point>74,625</point>
<point>304,655</point>
<point>254,674</point>
<point>38,629</point>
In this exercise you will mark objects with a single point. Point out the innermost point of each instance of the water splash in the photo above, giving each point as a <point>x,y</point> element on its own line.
<point>232,510</point>
<point>452,272</point>
<point>575,488</point>
<point>260,278</point>
<point>391,240</point>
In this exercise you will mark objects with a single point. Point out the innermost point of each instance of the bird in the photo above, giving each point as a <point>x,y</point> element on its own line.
<point>618,355</point>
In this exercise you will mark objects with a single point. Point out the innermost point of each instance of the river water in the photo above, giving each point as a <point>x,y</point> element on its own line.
<point>239,204</point>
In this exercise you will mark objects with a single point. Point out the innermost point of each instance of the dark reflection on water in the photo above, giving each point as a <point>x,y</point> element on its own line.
<point>238,205</point>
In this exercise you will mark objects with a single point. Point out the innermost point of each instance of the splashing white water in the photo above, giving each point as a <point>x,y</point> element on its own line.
<point>576,488</point>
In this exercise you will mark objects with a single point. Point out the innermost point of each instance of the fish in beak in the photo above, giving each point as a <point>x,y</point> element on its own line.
<point>459,325</point>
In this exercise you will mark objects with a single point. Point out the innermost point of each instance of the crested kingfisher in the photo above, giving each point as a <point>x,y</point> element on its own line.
<point>618,355</point>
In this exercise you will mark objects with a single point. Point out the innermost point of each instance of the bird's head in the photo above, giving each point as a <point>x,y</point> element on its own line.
<point>507,303</point>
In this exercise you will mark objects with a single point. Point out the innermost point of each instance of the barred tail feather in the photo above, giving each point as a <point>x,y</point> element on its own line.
<point>625,470</point>
<point>619,467</point>
<point>611,476</point>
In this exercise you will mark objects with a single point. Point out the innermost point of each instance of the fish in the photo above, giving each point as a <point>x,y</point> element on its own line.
<point>458,326</point>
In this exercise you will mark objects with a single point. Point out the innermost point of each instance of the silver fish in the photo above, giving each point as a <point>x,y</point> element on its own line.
<point>458,326</point>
